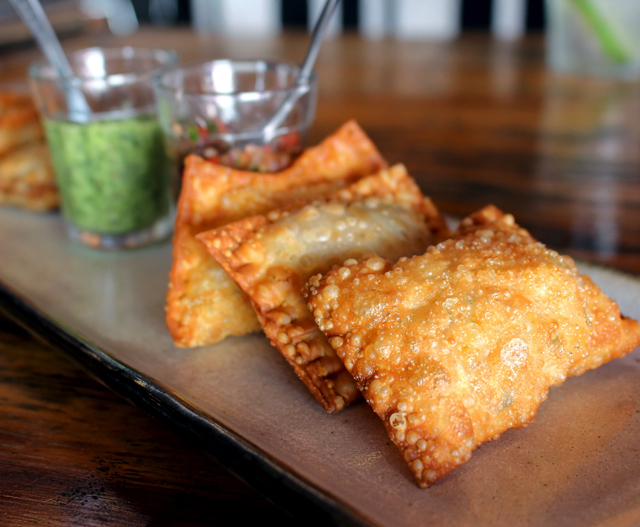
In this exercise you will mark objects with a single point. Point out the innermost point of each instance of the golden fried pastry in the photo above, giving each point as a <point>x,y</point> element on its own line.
<point>27,180</point>
<point>456,346</point>
<point>203,304</point>
<point>272,256</point>
<point>19,122</point>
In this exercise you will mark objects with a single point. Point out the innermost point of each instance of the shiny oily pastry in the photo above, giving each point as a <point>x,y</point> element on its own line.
<point>203,304</point>
<point>272,256</point>
<point>456,346</point>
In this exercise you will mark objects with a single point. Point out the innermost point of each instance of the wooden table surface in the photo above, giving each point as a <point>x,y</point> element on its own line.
<point>475,121</point>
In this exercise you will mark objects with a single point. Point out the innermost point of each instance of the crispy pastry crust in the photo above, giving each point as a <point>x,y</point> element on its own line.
<point>203,304</point>
<point>456,346</point>
<point>272,256</point>
<point>27,180</point>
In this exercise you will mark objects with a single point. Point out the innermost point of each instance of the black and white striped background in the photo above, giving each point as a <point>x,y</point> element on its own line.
<point>476,14</point>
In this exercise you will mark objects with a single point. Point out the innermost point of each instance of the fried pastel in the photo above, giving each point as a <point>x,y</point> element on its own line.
<point>203,304</point>
<point>19,122</point>
<point>272,256</point>
<point>27,179</point>
<point>456,346</point>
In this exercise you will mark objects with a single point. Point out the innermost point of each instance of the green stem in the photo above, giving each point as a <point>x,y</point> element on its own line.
<point>611,43</point>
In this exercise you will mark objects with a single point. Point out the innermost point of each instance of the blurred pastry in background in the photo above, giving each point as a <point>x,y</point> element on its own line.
<point>19,121</point>
<point>26,174</point>
<point>26,178</point>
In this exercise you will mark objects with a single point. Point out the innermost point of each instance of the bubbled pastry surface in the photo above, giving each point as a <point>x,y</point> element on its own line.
<point>272,256</point>
<point>456,346</point>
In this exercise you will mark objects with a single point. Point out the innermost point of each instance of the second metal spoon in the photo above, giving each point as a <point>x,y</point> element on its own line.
<point>302,82</point>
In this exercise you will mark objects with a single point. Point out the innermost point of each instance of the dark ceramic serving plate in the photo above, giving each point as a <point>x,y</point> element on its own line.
<point>577,463</point>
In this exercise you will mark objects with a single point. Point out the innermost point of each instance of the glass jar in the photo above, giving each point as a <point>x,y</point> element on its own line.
<point>218,109</point>
<point>107,146</point>
<point>598,38</point>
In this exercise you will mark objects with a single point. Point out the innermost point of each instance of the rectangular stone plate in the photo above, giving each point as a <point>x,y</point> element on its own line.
<point>578,463</point>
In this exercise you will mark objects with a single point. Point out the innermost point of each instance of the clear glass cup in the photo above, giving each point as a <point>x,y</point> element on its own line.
<point>110,165</point>
<point>598,38</point>
<point>218,109</point>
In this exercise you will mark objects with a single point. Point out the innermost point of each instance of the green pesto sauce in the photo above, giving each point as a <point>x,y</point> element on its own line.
<point>113,175</point>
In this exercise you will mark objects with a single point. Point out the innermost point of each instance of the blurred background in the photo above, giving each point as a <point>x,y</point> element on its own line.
<point>471,78</point>
<point>405,19</point>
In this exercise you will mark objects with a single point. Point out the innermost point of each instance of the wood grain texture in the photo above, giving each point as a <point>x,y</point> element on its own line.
<point>74,453</point>
<point>475,121</point>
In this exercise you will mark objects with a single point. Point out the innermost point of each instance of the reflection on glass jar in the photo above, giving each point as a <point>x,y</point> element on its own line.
<point>590,146</point>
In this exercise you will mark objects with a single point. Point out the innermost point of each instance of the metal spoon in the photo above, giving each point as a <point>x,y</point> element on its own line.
<point>269,131</point>
<point>32,14</point>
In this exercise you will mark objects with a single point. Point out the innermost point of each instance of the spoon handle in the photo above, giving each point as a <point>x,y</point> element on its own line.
<point>302,82</point>
<point>316,41</point>
<point>34,17</point>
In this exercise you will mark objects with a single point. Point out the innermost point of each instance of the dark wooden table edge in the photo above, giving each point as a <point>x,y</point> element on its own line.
<point>255,467</point>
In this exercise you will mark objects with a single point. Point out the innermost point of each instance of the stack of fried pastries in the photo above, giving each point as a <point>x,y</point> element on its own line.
<point>203,304</point>
<point>353,276</point>
<point>26,175</point>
